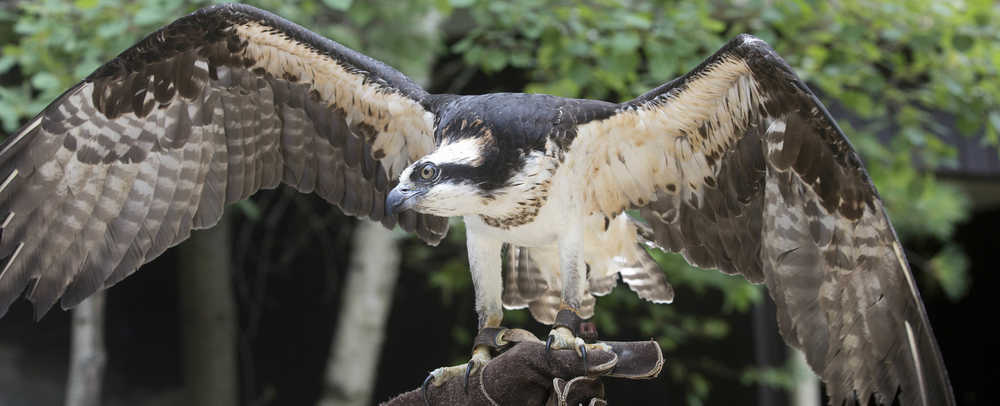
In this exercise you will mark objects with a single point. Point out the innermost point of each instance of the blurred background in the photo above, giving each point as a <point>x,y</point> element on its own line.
<point>290,303</point>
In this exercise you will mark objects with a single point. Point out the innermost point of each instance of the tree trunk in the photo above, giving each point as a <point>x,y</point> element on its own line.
<point>350,369</point>
<point>87,355</point>
<point>208,318</point>
<point>806,391</point>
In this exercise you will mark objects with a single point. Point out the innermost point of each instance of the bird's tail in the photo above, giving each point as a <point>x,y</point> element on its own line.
<point>620,250</point>
<point>646,279</point>
<point>531,275</point>
<point>530,280</point>
<point>523,281</point>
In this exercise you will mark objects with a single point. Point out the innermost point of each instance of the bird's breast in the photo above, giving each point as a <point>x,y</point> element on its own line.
<point>541,232</point>
<point>539,228</point>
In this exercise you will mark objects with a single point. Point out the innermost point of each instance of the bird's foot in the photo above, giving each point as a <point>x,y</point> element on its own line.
<point>564,336</point>
<point>561,338</point>
<point>437,377</point>
<point>486,339</point>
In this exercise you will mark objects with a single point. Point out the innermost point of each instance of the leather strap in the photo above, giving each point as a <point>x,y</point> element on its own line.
<point>568,318</point>
<point>576,391</point>
<point>491,337</point>
<point>588,331</point>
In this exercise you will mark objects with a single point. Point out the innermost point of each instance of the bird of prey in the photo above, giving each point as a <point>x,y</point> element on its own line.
<point>735,165</point>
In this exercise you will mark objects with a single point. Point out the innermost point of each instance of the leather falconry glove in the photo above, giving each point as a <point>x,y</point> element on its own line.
<point>525,374</point>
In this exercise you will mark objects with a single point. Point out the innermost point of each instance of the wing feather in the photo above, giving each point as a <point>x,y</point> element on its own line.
<point>738,166</point>
<point>213,195</point>
<point>204,112</point>
<point>139,250</point>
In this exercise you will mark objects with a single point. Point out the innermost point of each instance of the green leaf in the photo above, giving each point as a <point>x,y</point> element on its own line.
<point>994,119</point>
<point>6,62</point>
<point>716,328</point>
<point>962,42</point>
<point>150,16</point>
<point>563,87</point>
<point>338,4</point>
<point>700,385</point>
<point>112,29</point>
<point>494,60</point>
<point>950,268</point>
<point>45,81</point>
<point>85,4</point>
<point>638,21</point>
<point>860,102</point>
<point>625,42</point>
<point>249,209</point>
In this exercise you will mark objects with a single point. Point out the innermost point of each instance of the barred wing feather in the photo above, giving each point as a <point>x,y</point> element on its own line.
<point>737,166</point>
<point>204,112</point>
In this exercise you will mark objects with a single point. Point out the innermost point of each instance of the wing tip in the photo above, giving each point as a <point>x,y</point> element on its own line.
<point>41,305</point>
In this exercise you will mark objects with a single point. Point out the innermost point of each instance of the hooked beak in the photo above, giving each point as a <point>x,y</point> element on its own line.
<point>399,200</point>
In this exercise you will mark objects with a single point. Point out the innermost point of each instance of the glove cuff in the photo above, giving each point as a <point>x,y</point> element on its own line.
<point>636,359</point>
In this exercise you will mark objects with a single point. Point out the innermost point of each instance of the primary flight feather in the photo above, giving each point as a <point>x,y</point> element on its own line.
<point>736,166</point>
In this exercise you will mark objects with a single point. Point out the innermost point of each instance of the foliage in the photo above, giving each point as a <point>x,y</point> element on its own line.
<point>896,66</point>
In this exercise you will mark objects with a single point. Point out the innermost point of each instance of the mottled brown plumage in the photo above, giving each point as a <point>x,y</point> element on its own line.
<point>198,115</point>
<point>737,166</point>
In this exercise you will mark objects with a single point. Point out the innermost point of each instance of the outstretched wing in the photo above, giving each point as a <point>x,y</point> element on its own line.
<point>204,112</point>
<point>739,167</point>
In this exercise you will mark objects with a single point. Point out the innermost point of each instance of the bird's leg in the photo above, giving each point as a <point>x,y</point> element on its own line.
<point>484,262</point>
<point>566,329</point>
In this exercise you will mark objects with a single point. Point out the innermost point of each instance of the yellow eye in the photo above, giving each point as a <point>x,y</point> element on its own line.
<point>428,172</point>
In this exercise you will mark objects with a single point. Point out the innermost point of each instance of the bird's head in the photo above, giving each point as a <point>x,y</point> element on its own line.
<point>492,160</point>
<point>451,181</point>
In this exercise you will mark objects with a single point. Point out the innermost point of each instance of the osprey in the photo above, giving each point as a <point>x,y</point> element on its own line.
<point>735,165</point>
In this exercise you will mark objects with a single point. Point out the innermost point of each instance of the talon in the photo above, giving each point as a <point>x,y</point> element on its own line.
<point>583,354</point>
<point>468,371</point>
<point>423,389</point>
<point>548,343</point>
